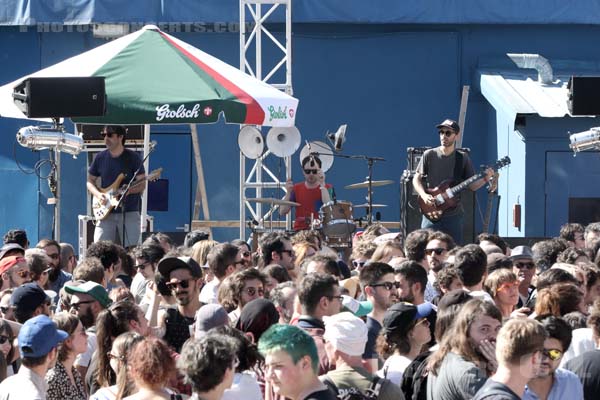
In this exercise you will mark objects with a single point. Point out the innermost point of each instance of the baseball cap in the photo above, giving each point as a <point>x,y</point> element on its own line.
<point>38,336</point>
<point>346,332</point>
<point>93,289</point>
<point>496,261</point>
<point>26,298</point>
<point>358,308</point>
<point>9,262</point>
<point>9,247</point>
<point>400,315</point>
<point>449,123</point>
<point>209,316</point>
<point>521,252</point>
<point>168,264</point>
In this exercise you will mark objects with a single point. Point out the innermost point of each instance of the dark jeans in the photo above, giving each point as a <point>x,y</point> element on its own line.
<point>452,225</point>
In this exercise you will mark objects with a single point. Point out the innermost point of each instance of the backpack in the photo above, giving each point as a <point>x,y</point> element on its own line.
<point>355,394</point>
<point>414,379</point>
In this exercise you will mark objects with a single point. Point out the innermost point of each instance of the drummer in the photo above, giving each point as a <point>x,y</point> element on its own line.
<point>311,194</point>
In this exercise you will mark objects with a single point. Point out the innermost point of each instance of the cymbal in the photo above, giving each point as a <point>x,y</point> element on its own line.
<point>273,201</point>
<point>365,184</point>
<point>366,205</point>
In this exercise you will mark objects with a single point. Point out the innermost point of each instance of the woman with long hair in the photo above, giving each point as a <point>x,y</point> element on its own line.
<point>503,286</point>
<point>8,351</point>
<point>465,357</point>
<point>402,338</point>
<point>560,299</point>
<point>120,317</point>
<point>64,381</point>
<point>151,366</point>
<point>121,347</point>
<point>200,252</point>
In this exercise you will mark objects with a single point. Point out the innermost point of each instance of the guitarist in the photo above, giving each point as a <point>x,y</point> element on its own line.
<point>444,163</point>
<point>118,226</point>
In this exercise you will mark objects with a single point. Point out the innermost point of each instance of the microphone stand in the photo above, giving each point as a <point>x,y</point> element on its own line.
<point>370,161</point>
<point>126,191</point>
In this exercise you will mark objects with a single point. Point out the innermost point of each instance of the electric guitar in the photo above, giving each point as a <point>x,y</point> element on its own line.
<point>445,195</point>
<point>492,190</point>
<point>114,192</point>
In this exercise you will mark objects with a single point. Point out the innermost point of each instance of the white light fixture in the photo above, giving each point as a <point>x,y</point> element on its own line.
<point>585,140</point>
<point>46,137</point>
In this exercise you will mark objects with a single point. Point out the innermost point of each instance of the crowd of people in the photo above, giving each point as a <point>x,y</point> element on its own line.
<point>402,318</point>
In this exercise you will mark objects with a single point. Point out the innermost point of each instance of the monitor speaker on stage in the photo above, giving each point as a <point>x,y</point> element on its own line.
<point>584,95</point>
<point>61,97</point>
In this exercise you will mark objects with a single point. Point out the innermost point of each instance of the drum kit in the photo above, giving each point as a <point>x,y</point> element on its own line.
<point>336,221</point>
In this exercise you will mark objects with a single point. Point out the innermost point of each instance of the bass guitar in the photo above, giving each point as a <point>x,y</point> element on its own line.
<point>445,195</point>
<point>115,191</point>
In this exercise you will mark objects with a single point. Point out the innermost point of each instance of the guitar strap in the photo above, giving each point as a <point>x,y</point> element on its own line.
<point>458,167</point>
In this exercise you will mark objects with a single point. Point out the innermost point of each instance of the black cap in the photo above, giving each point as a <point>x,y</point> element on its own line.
<point>168,264</point>
<point>26,298</point>
<point>453,297</point>
<point>449,123</point>
<point>400,315</point>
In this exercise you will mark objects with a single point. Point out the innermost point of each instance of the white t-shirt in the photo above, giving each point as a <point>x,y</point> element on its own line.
<point>583,340</point>
<point>244,387</point>
<point>393,368</point>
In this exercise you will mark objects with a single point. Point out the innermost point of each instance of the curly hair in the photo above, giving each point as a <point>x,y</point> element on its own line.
<point>106,251</point>
<point>238,280</point>
<point>151,362</point>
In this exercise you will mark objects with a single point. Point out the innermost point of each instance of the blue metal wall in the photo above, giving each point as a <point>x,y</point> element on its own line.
<point>390,83</point>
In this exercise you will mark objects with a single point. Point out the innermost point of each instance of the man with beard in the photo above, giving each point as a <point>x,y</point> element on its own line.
<point>246,286</point>
<point>437,248</point>
<point>88,299</point>
<point>551,382</point>
<point>283,296</point>
<point>276,248</point>
<point>524,268</point>
<point>183,277</point>
<point>379,286</point>
<point>56,276</point>
<point>415,247</point>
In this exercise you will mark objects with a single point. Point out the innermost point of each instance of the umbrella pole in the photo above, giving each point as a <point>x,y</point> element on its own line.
<point>201,185</point>
<point>144,212</point>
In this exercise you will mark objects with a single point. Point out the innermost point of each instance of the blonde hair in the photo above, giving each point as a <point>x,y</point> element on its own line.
<point>301,249</point>
<point>517,338</point>
<point>385,251</point>
<point>201,249</point>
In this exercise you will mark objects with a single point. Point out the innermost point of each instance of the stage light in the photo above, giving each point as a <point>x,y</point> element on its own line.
<point>45,137</point>
<point>585,140</point>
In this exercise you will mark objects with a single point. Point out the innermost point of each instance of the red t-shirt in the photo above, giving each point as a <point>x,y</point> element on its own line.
<point>310,204</point>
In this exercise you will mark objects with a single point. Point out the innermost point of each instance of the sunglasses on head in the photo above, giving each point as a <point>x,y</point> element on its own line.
<point>446,133</point>
<point>552,354</point>
<point>311,171</point>
<point>252,291</point>
<point>387,285</point>
<point>528,265</point>
<point>438,250</point>
<point>185,283</point>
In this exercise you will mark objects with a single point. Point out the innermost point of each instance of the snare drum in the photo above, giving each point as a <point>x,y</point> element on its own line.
<point>337,220</point>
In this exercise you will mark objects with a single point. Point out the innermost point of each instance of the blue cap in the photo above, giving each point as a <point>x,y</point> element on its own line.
<point>27,297</point>
<point>38,336</point>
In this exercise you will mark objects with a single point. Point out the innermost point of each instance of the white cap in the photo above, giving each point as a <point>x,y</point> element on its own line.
<point>347,333</point>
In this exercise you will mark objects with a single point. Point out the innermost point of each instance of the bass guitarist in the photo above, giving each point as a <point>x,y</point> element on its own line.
<point>118,226</point>
<point>441,164</point>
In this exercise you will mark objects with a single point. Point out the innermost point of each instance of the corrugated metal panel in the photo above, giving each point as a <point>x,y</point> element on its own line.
<point>515,93</point>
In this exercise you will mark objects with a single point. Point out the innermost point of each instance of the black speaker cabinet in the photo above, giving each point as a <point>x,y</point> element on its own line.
<point>584,95</point>
<point>61,97</point>
<point>410,214</point>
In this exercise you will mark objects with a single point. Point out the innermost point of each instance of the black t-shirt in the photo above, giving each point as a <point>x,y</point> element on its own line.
<point>493,390</point>
<point>326,394</point>
<point>374,327</point>
<point>587,368</point>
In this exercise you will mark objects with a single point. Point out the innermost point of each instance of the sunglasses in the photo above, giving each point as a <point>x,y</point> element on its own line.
<point>252,291</point>
<point>507,286</point>
<point>76,306</point>
<point>387,285</point>
<point>24,273</point>
<point>525,265</point>
<point>109,134</point>
<point>3,339</point>
<point>553,354</point>
<point>438,250</point>
<point>447,133</point>
<point>311,171</point>
<point>290,253</point>
<point>340,298</point>
<point>358,264</point>
<point>423,321</point>
<point>183,283</point>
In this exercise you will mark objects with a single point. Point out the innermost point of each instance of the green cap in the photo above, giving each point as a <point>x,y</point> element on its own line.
<point>91,289</point>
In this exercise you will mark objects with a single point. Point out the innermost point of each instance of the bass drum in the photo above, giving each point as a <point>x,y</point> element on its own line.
<point>337,220</point>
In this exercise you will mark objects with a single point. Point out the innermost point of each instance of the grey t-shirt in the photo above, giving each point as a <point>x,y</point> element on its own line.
<point>457,379</point>
<point>348,380</point>
<point>437,168</point>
